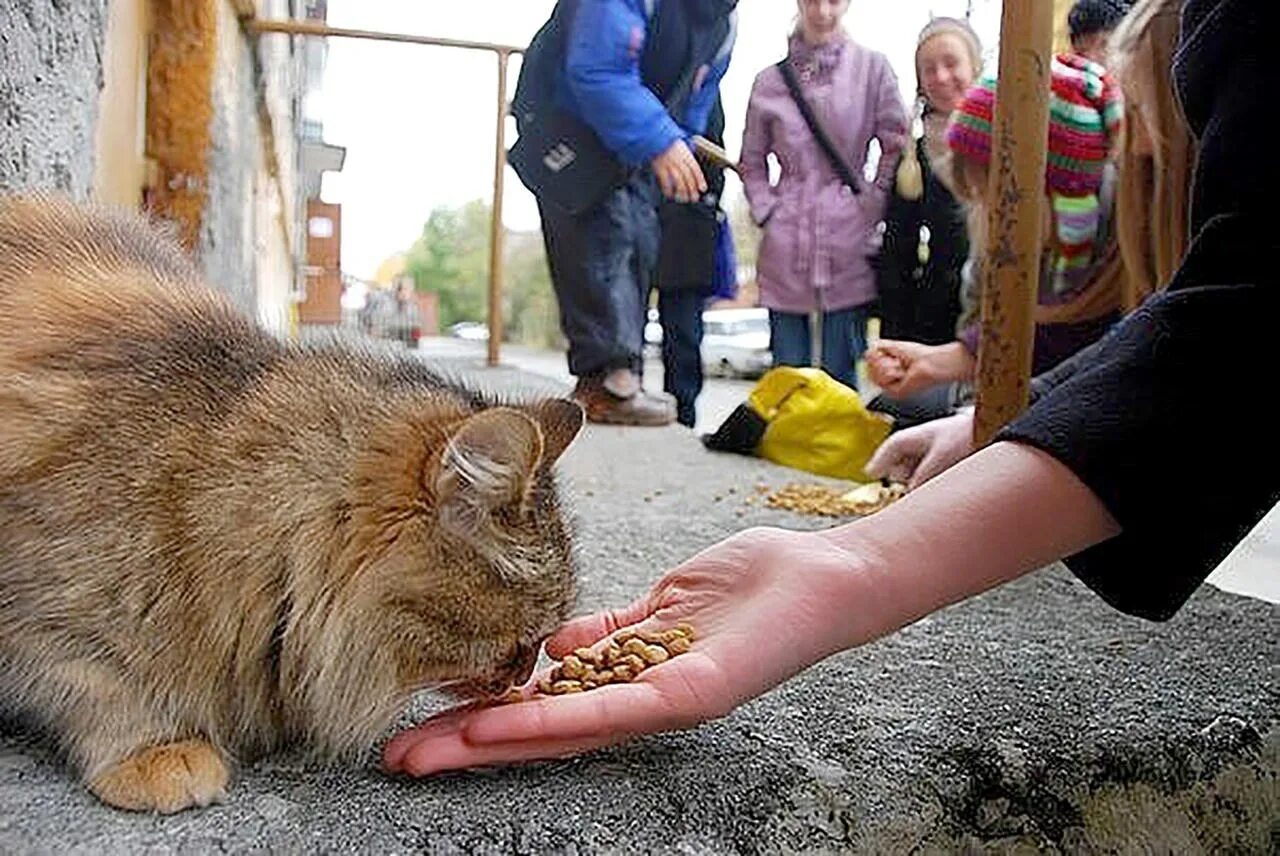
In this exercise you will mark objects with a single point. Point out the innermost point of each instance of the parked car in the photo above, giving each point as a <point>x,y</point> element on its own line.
<point>735,342</point>
<point>472,331</point>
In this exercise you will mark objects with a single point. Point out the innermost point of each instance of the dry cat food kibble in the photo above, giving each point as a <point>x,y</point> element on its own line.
<point>817,499</point>
<point>629,653</point>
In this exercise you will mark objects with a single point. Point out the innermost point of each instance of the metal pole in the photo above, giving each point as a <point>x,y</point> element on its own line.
<point>1015,209</point>
<point>312,28</point>
<point>496,231</point>
<point>503,52</point>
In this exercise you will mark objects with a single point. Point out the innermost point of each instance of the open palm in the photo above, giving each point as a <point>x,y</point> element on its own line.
<point>762,603</point>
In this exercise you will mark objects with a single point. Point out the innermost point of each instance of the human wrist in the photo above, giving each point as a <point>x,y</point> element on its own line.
<point>863,597</point>
<point>975,526</point>
<point>954,362</point>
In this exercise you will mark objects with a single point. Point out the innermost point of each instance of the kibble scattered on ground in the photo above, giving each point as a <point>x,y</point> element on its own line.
<point>822,500</point>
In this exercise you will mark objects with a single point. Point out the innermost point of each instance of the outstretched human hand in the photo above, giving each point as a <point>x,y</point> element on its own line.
<point>918,454</point>
<point>904,368</point>
<point>765,604</point>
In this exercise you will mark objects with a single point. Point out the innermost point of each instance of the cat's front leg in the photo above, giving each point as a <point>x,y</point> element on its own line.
<point>166,778</point>
<point>131,755</point>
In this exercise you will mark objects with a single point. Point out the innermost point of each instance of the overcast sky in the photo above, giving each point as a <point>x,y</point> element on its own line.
<point>418,121</point>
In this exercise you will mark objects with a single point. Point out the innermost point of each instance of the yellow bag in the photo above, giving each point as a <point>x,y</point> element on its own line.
<point>815,423</point>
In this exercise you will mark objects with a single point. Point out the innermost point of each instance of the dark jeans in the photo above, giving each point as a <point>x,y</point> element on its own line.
<point>844,340</point>
<point>680,313</point>
<point>601,266</point>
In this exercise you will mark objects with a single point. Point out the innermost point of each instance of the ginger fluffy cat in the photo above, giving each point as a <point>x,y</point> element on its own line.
<point>214,544</point>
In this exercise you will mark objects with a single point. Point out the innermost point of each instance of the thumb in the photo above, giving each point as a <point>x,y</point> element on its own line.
<point>586,630</point>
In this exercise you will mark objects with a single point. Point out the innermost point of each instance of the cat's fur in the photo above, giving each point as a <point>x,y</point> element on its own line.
<point>213,543</point>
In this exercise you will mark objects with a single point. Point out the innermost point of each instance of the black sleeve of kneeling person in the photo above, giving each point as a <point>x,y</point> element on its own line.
<point>1167,419</point>
<point>1168,425</point>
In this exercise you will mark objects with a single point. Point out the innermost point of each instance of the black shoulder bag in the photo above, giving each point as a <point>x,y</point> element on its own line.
<point>558,157</point>
<point>819,133</point>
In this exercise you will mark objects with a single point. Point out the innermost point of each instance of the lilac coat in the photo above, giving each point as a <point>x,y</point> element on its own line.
<point>818,235</point>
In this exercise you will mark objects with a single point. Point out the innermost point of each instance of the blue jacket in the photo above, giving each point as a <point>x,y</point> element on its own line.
<point>600,82</point>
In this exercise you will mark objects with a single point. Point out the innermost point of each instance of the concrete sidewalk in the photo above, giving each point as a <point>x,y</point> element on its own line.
<point>1033,717</point>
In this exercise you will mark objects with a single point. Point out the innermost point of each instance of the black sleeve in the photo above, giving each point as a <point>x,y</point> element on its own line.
<point>1041,384</point>
<point>1139,418</point>
<point>1183,383</point>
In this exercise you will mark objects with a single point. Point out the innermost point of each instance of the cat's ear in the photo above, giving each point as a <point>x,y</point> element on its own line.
<point>560,421</point>
<point>491,460</point>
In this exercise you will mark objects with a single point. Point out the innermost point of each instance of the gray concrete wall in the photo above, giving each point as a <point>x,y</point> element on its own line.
<point>235,159</point>
<point>50,76</point>
<point>243,248</point>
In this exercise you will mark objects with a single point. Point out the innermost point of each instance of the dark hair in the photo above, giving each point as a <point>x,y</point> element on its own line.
<point>1096,16</point>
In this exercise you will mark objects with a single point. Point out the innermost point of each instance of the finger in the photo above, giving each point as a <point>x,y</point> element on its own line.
<point>896,386</point>
<point>455,753</point>
<point>697,182</point>
<point>891,459</point>
<point>913,381</point>
<point>884,373</point>
<point>548,727</point>
<point>934,462</point>
<point>699,177</point>
<point>449,722</point>
<point>665,181</point>
<point>688,185</point>
<point>890,348</point>
<point>880,348</point>
<point>587,630</point>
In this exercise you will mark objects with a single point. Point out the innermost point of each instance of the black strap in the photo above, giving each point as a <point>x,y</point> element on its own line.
<point>824,142</point>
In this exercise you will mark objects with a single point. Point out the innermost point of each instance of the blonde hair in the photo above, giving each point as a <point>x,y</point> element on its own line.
<point>1152,194</point>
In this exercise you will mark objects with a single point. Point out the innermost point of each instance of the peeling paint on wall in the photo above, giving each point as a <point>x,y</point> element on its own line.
<point>180,109</point>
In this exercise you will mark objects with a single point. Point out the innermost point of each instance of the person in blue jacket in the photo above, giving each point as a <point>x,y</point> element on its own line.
<point>644,76</point>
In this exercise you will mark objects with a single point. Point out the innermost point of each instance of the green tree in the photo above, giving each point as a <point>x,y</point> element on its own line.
<point>530,309</point>
<point>451,259</point>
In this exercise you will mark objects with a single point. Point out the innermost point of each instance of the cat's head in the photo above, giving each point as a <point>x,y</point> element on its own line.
<point>475,566</point>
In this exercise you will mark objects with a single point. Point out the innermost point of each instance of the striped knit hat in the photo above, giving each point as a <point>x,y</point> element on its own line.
<point>1084,117</point>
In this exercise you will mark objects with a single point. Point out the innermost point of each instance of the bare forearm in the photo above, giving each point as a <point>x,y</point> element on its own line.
<point>997,515</point>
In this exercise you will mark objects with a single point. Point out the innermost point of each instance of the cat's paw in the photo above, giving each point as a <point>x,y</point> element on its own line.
<point>165,778</point>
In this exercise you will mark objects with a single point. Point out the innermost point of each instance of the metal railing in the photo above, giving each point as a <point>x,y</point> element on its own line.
<point>255,26</point>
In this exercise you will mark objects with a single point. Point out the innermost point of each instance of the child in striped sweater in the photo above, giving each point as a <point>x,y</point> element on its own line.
<point>1081,275</point>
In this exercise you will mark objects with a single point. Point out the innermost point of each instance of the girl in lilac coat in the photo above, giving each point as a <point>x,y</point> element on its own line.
<point>818,232</point>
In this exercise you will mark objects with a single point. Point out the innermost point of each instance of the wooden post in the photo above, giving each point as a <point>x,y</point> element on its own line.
<point>1015,205</point>
<point>496,231</point>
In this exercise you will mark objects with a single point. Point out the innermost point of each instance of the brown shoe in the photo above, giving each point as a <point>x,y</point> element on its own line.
<point>606,408</point>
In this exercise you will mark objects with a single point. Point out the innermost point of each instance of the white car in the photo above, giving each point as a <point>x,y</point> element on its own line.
<point>735,342</point>
<point>472,331</point>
